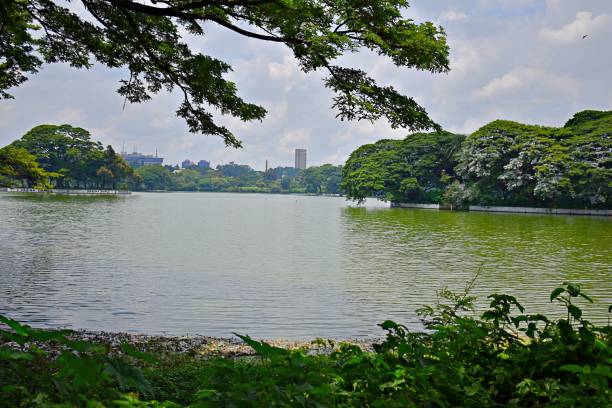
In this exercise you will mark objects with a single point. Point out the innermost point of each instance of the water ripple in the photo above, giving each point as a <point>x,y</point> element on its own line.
<point>276,266</point>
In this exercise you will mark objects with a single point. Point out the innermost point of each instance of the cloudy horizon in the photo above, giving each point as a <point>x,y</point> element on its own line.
<point>521,60</point>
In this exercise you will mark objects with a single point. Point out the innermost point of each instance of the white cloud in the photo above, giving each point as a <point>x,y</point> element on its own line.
<point>293,139</point>
<point>530,80</point>
<point>287,69</point>
<point>465,59</point>
<point>70,114</point>
<point>553,5</point>
<point>288,73</point>
<point>5,114</point>
<point>584,24</point>
<point>452,15</point>
<point>183,143</point>
<point>506,4</point>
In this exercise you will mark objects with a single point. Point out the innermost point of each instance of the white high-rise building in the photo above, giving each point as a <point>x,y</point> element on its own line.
<point>300,158</point>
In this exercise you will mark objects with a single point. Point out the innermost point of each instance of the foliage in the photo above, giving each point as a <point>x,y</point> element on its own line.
<point>74,160</point>
<point>511,163</point>
<point>78,373</point>
<point>234,177</point>
<point>321,179</point>
<point>148,40</point>
<point>502,163</point>
<point>17,165</point>
<point>414,169</point>
<point>154,178</point>
<point>234,170</point>
<point>505,358</point>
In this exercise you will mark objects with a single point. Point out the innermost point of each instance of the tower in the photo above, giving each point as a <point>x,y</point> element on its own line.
<point>300,158</point>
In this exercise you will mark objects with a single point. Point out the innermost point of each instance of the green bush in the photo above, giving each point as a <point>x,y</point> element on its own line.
<point>504,358</point>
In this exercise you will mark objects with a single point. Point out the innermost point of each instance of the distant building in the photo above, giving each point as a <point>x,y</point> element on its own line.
<point>187,164</point>
<point>300,158</point>
<point>204,164</point>
<point>136,159</point>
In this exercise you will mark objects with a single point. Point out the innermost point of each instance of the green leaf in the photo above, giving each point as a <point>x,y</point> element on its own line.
<point>8,354</point>
<point>206,394</point>
<point>17,327</point>
<point>575,311</point>
<point>572,368</point>
<point>555,293</point>
<point>600,345</point>
<point>572,288</point>
<point>388,325</point>
<point>128,375</point>
<point>132,352</point>
<point>261,347</point>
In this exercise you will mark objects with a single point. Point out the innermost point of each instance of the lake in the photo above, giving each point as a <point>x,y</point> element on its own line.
<point>296,267</point>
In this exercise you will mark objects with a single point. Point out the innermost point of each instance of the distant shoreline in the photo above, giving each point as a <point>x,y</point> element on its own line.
<point>510,209</point>
<point>66,191</point>
<point>241,192</point>
<point>129,192</point>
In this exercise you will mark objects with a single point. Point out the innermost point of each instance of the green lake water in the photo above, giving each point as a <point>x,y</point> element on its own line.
<point>277,266</point>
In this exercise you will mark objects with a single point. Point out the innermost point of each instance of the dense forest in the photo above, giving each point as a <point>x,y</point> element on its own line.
<point>502,163</point>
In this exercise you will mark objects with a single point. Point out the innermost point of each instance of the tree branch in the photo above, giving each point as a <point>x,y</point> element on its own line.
<point>172,12</point>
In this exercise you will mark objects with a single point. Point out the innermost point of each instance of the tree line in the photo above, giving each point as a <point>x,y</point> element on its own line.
<point>502,163</point>
<point>62,156</point>
<point>242,178</point>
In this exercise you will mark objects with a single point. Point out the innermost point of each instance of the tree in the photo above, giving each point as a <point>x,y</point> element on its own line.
<point>285,183</point>
<point>186,180</point>
<point>147,39</point>
<point>417,168</point>
<point>515,164</point>
<point>105,175</point>
<point>321,179</point>
<point>155,177</point>
<point>17,165</point>
<point>234,170</point>
<point>120,171</point>
<point>502,163</point>
<point>66,150</point>
<point>70,152</point>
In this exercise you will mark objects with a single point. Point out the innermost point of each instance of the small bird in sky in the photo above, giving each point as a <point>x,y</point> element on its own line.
<point>585,36</point>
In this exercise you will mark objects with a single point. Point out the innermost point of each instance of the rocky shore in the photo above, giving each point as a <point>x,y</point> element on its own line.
<point>196,345</point>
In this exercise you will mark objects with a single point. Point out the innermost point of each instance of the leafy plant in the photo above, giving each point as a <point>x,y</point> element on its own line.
<point>76,371</point>
<point>504,358</point>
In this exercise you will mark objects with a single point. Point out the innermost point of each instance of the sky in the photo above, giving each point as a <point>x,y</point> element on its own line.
<point>521,60</point>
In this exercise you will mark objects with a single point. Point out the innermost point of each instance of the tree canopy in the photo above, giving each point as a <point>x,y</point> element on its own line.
<point>148,38</point>
<point>18,165</point>
<point>232,177</point>
<point>517,164</point>
<point>414,169</point>
<point>72,158</point>
<point>502,163</point>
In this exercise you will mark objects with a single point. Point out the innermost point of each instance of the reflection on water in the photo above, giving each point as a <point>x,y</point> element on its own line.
<point>271,266</point>
<point>413,253</point>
